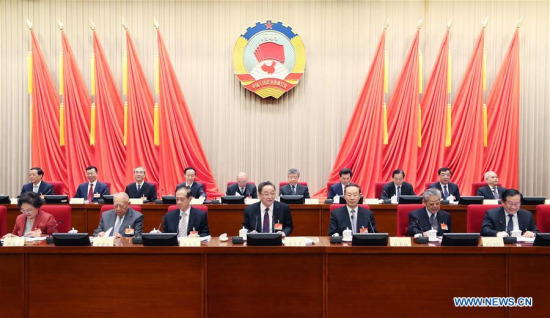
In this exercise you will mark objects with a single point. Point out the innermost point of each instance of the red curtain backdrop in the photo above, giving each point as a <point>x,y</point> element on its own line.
<point>501,154</point>
<point>109,148</point>
<point>465,156</point>
<point>180,145</point>
<point>140,148</point>
<point>401,151</point>
<point>434,105</point>
<point>78,152</point>
<point>361,148</point>
<point>45,149</point>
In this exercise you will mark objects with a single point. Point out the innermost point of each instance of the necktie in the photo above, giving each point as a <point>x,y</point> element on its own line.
<point>242,191</point>
<point>398,193</point>
<point>139,187</point>
<point>445,192</point>
<point>117,226</point>
<point>353,222</point>
<point>433,222</point>
<point>182,231</point>
<point>91,193</point>
<point>293,189</point>
<point>510,226</point>
<point>495,193</point>
<point>266,221</point>
<point>34,188</point>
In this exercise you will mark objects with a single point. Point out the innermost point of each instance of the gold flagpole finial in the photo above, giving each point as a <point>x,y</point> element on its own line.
<point>124,24</point>
<point>420,23</point>
<point>449,23</point>
<point>484,22</point>
<point>156,23</point>
<point>29,24</point>
<point>60,25</point>
<point>519,23</point>
<point>91,24</point>
<point>387,24</point>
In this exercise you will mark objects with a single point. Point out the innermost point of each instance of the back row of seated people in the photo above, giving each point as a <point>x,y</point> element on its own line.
<point>269,216</point>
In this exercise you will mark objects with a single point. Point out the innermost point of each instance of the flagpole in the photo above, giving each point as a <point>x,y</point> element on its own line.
<point>156,113</point>
<point>386,89</point>
<point>30,79</point>
<point>420,93</point>
<point>61,90</point>
<point>125,85</point>
<point>92,90</point>
<point>448,117</point>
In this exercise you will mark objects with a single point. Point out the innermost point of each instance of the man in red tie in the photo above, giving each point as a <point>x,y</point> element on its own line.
<point>92,190</point>
<point>268,215</point>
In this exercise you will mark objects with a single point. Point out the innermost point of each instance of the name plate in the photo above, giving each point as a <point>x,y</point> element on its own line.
<point>295,241</point>
<point>13,201</point>
<point>195,201</point>
<point>492,201</point>
<point>76,201</point>
<point>492,241</point>
<point>400,241</point>
<point>190,241</point>
<point>251,201</point>
<point>14,241</point>
<point>104,241</point>
<point>372,201</point>
<point>547,201</point>
<point>311,201</point>
<point>136,201</point>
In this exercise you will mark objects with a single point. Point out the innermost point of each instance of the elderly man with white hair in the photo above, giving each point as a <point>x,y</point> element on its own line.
<point>430,217</point>
<point>122,220</point>
<point>492,191</point>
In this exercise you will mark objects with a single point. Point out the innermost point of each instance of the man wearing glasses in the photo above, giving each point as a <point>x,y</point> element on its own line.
<point>509,217</point>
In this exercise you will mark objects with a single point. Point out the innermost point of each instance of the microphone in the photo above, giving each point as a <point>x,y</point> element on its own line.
<point>57,225</point>
<point>371,226</point>
<point>48,193</point>
<point>256,225</point>
<point>420,226</point>
<point>49,239</point>
<point>504,226</point>
<point>420,239</point>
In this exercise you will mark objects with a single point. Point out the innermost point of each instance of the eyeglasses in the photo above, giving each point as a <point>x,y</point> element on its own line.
<point>29,211</point>
<point>513,204</point>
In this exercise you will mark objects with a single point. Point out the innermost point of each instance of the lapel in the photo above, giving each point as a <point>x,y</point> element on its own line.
<point>37,221</point>
<point>192,217</point>
<point>362,219</point>
<point>41,188</point>
<point>425,220</point>
<point>276,213</point>
<point>522,221</point>
<point>175,221</point>
<point>258,218</point>
<point>126,221</point>
<point>347,220</point>
<point>110,220</point>
<point>502,219</point>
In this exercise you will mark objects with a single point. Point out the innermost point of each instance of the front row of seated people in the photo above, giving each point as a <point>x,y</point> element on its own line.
<point>270,216</point>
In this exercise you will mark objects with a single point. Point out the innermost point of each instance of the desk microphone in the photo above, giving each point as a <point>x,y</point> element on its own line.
<point>371,226</point>
<point>49,239</point>
<point>420,239</point>
<point>256,225</point>
<point>504,226</point>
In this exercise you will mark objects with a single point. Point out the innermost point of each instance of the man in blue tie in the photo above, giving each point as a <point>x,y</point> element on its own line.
<point>448,189</point>
<point>268,215</point>
<point>509,217</point>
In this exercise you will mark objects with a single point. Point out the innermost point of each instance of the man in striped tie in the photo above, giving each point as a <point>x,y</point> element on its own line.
<point>185,220</point>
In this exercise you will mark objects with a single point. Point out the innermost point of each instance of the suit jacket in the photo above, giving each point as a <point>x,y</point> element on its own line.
<point>44,188</point>
<point>43,221</point>
<point>488,194</point>
<point>451,187</point>
<point>147,190</point>
<point>249,190</point>
<point>197,219</point>
<point>281,213</point>
<point>300,190</point>
<point>197,189</point>
<point>388,190</point>
<point>419,222</point>
<point>340,220</point>
<point>132,218</point>
<point>495,221</point>
<point>336,189</point>
<point>100,188</point>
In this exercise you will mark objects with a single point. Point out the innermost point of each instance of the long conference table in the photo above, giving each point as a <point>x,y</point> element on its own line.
<point>308,220</point>
<point>219,279</point>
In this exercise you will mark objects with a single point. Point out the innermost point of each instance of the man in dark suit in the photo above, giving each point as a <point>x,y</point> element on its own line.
<point>293,187</point>
<point>122,221</point>
<point>351,216</point>
<point>268,215</point>
<point>430,216</point>
<point>141,189</point>
<point>492,191</point>
<point>36,184</point>
<point>185,220</point>
<point>397,187</point>
<point>93,189</point>
<point>448,189</point>
<point>242,187</point>
<point>197,189</point>
<point>338,188</point>
<point>509,217</point>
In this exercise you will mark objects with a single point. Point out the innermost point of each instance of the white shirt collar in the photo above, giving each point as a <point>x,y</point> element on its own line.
<point>430,213</point>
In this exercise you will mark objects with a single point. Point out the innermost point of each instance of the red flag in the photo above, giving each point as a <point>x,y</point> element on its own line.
<point>466,152</point>
<point>434,105</point>
<point>180,146</point>
<point>361,148</point>
<point>45,149</point>
<point>111,158</point>
<point>502,150</point>
<point>78,151</point>
<point>401,151</point>
<point>141,150</point>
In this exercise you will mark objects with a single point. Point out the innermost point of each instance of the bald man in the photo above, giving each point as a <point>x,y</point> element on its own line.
<point>242,187</point>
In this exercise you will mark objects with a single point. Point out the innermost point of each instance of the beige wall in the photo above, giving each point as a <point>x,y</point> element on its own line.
<point>305,127</point>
